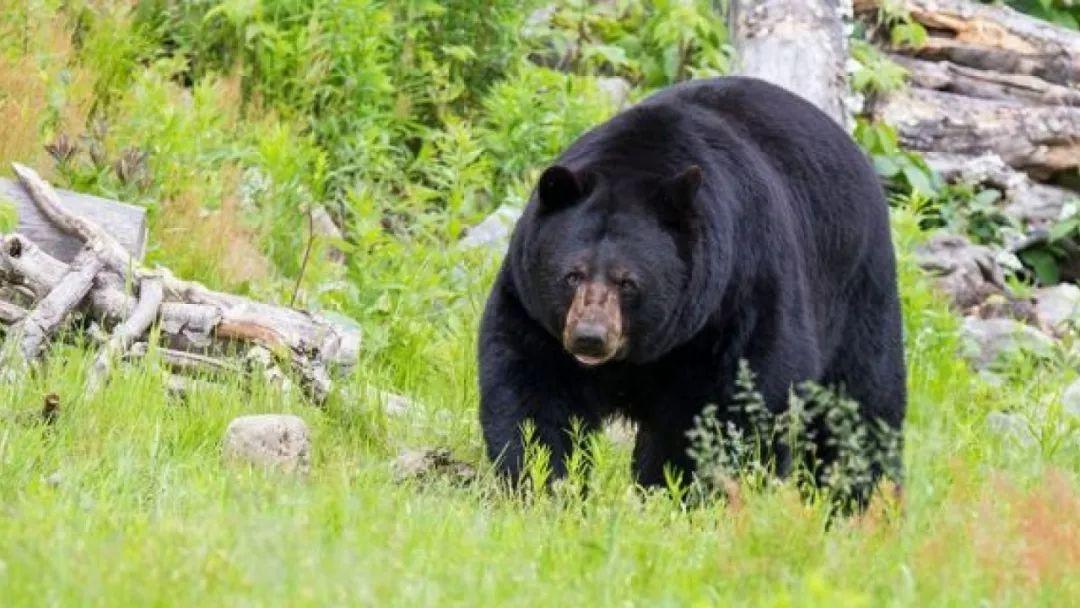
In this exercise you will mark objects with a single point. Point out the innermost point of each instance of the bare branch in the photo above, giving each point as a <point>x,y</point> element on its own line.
<point>146,310</point>
<point>37,326</point>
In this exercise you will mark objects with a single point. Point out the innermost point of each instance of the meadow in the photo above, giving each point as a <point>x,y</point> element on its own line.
<point>408,122</point>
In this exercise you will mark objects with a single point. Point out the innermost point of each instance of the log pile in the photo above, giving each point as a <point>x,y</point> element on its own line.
<point>106,284</point>
<point>992,100</point>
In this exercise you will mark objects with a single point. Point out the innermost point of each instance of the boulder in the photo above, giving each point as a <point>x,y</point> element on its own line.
<point>1057,305</point>
<point>1070,401</point>
<point>269,440</point>
<point>987,339</point>
<point>968,273</point>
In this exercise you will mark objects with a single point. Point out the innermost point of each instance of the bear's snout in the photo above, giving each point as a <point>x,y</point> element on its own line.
<point>593,331</point>
<point>589,339</point>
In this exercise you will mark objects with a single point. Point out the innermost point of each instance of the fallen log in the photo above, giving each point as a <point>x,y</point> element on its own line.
<point>29,336</point>
<point>11,313</point>
<point>137,324</point>
<point>1041,140</point>
<point>986,84</point>
<point>988,37</point>
<point>190,316</point>
<point>987,79</point>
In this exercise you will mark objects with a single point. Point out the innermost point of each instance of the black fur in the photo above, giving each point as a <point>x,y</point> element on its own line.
<point>777,250</point>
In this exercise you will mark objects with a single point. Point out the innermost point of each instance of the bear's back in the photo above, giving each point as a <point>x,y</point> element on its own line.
<point>832,188</point>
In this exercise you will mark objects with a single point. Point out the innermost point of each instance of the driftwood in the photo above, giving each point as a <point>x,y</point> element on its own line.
<point>797,44</point>
<point>126,223</point>
<point>32,332</point>
<point>138,323</point>
<point>204,324</point>
<point>11,313</point>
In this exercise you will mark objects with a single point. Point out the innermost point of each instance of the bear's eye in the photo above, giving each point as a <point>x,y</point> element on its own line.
<point>574,278</point>
<point>628,286</point>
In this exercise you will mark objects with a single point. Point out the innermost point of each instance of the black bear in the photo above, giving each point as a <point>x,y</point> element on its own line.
<point>717,221</point>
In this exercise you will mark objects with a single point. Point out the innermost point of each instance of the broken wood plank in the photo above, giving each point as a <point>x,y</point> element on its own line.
<point>126,223</point>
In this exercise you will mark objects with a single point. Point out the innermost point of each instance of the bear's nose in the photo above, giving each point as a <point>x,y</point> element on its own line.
<point>590,339</point>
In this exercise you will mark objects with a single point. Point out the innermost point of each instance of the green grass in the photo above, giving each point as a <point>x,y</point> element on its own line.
<point>145,513</point>
<point>410,123</point>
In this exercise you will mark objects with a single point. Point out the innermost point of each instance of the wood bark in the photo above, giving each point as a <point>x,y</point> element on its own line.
<point>1041,140</point>
<point>949,77</point>
<point>797,44</point>
<point>989,37</point>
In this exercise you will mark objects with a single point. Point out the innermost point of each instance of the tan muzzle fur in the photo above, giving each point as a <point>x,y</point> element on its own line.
<point>593,332</point>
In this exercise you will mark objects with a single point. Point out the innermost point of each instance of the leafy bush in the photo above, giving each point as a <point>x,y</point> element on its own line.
<point>1062,12</point>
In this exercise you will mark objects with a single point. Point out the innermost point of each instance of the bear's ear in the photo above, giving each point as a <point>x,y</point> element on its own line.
<point>558,187</point>
<point>684,186</point>
<point>679,193</point>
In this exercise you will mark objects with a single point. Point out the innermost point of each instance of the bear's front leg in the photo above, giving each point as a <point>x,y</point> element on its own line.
<point>514,392</point>
<point>655,451</point>
<point>526,377</point>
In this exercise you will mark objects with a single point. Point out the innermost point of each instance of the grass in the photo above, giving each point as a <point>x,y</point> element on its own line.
<point>125,500</point>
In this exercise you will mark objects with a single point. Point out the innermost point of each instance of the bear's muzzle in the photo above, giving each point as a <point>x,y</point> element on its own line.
<point>593,332</point>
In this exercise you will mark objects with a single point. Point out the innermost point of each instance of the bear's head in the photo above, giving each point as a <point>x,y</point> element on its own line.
<point>606,262</point>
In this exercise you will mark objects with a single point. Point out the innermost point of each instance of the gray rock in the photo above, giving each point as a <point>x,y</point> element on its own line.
<point>968,273</point>
<point>494,231</point>
<point>616,89</point>
<point>54,479</point>
<point>1057,305</point>
<point>987,339</point>
<point>422,463</point>
<point>1070,400</point>
<point>1032,204</point>
<point>271,440</point>
<point>324,226</point>
<point>393,404</point>
<point>1010,425</point>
